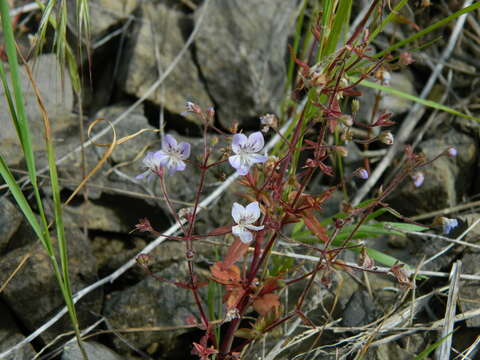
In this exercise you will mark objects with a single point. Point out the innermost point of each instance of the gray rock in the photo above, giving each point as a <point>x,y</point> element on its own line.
<point>10,220</point>
<point>360,310</point>
<point>34,295</point>
<point>161,26</point>
<point>152,303</point>
<point>94,350</point>
<point>10,335</point>
<point>58,101</point>
<point>241,50</point>
<point>104,14</point>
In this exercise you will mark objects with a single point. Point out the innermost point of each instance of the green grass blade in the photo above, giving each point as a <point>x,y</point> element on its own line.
<point>424,354</point>
<point>341,20</point>
<point>429,103</point>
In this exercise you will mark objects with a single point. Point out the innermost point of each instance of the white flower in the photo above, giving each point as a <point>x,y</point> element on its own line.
<point>246,150</point>
<point>245,217</point>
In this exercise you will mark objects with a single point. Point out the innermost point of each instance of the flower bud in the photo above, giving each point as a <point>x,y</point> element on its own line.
<point>361,173</point>
<point>452,152</point>
<point>346,120</point>
<point>448,224</point>
<point>418,179</point>
<point>355,105</point>
<point>268,121</point>
<point>386,137</point>
<point>341,151</point>
<point>192,107</point>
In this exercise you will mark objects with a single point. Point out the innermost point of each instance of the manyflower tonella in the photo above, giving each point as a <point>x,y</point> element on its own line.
<point>246,152</point>
<point>245,217</point>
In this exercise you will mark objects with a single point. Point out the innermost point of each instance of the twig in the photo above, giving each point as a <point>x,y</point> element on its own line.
<point>415,114</point>
<point>443,352</point>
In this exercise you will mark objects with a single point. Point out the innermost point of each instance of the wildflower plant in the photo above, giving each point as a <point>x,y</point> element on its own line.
<point>278,203</point>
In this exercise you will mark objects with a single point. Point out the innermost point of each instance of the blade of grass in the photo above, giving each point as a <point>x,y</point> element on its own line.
<point>414,98</point>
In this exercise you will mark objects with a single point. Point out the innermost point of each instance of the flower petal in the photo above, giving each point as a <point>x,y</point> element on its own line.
<point>238,212</point>
<point>256,141</point>
<point>243,169</point>
<point>169,143</point>
<point>235,161</point>
<point>246,237</point>
<point>254,228</point>
<point>184,149</point>
<point>237,230</point>
<point>238,141</point>
<point>256,158</point>
<point>252,212</point>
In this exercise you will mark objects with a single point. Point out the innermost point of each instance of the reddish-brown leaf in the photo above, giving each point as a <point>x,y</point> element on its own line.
<point>266,303</point>
<point>312,223</point>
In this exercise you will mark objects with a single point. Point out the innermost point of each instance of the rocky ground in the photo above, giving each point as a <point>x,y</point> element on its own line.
<point>236,63</point>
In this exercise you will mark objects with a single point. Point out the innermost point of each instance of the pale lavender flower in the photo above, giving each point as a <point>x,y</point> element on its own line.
<point>171,157</point>
<point>362,173</point>
<point>418,179</point>
<point>452,152</point>
<point>152,163</point>
<point>246,150</point>
<point>173,154</point>
<point>448,225</point>
<point>245,217</point>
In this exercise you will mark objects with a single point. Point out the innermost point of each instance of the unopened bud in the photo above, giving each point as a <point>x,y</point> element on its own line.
<point>143,259</point>
<point>355,105</point>
<point>452,152</point>
<point>185,213</point>
<point>346,120</point>
<point>210,114</point>
<point>347,136</point>
<point>406,58</point>
<point>268,121</point>
<point>192,107</point>
<point>362,173</point>
<point>386,137</point>
<point>341,151</point>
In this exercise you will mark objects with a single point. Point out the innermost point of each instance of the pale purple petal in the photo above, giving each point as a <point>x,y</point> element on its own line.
<point>256,141</point>
<point>238,141</point>
<point>235,161</point>
<point>169,143</point>
<point>254,228</point>
<point>162,157</point>
<point>252,212</point>
<point>184,149</point>
<point>449,225</point>
<point>257,158</point>
<point>238,212</point>
<point>180,166</point>
<point>246,237</point>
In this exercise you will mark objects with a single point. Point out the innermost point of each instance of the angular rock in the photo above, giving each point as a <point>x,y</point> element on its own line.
<point>241,50</point>
<point>10,335</point>
<point>34,295</point>
<point>10,220</point>
<point>93,349</point>
<point>161,27</point>
<point>152,303</point>
<point>58,101</point>
<point>360,310</point>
